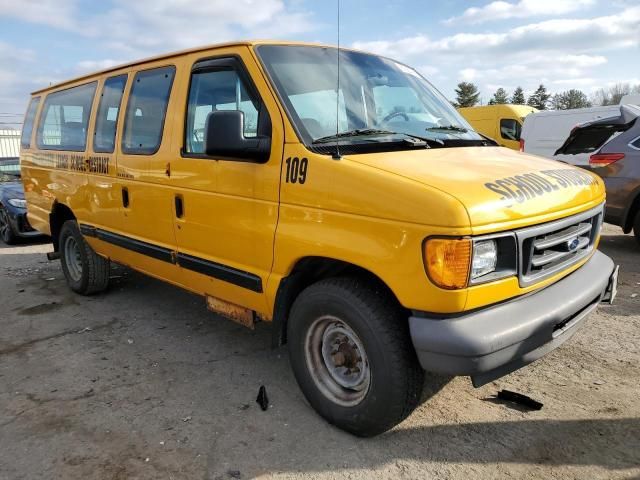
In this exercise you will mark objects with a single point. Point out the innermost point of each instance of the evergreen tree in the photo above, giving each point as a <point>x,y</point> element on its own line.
<point>570,99</point>
<point>467,94</point>
<point>539,98</point>
<point>500,97</point>
<point>518,97</point>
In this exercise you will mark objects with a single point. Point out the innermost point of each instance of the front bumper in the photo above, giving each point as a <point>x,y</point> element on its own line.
<point>20,225</point>
<point>494,341</point>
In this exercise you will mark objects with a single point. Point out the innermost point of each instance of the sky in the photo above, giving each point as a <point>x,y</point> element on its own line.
<point>563,44</point>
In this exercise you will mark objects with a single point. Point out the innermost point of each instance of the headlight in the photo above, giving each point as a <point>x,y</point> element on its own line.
<point>485,258</point>
<point>455,263</point>
<point>18,202</point>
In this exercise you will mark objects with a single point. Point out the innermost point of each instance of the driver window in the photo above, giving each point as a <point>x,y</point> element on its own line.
<point>215,91</point>
<point>510,129</point>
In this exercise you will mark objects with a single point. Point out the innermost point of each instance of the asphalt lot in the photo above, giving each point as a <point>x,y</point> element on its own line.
<point>144,382</point>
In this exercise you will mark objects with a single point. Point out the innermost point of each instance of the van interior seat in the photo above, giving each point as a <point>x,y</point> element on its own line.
<point>73,135</point>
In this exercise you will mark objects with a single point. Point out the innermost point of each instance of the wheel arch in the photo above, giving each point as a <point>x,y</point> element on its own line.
<point>307,271</point>
<point>631,211</point>
<point>60,213</point>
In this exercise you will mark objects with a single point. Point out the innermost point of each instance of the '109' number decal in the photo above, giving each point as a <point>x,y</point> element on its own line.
<point>297,170</point>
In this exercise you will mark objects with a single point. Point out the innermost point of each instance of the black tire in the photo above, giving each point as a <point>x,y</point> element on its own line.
<point>636,227</point>
<point>381,326</point>
<point>93,273</point>
<point>7,234</point>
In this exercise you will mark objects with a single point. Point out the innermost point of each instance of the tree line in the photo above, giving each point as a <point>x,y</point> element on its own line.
<point>468,95</point>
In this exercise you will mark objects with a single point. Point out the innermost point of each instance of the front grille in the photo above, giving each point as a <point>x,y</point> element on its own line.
<point>552,247</point>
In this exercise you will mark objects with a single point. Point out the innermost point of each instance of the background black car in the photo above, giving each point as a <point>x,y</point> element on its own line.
<point>13,207</point>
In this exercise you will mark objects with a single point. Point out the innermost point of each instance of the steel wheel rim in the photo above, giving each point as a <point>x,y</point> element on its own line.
<point>73,259</point>
<point>4,225</point>
<point>337,361</point>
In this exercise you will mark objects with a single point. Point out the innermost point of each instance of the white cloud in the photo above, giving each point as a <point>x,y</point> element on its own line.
<point>555,50</point>
<point>468,74</point>
<point>140,27</point>
<point>501,10</point>
<point>55,13</point>
<point>94,65</point>
<point>561,35</point>
<point>14,84</point>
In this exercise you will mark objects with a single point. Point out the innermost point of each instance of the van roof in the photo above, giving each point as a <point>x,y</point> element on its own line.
<point>177,54</point>
<point>575,111</point>
<point>506,106</point>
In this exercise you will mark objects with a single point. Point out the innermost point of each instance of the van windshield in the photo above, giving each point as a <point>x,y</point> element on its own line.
<point>377,99</point>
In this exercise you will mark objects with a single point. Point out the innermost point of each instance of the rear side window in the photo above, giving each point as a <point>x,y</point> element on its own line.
<point>107,118</point>
<point>146,110</point>
<point>510,129</point>
<point>27,128</point>
<point>636,143</point>
<point>65,118</point>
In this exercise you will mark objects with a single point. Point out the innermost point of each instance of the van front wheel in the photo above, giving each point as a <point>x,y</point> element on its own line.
<point>636,227</point>
<point>86,272</point>
<point>352,356</point>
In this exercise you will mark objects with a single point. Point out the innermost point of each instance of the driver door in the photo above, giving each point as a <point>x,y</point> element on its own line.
<point>226,210</point>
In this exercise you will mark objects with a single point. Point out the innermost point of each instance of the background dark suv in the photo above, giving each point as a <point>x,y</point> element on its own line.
<point>615,143</point>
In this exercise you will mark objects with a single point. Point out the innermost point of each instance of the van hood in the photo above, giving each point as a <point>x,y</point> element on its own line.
<point>496,185</point>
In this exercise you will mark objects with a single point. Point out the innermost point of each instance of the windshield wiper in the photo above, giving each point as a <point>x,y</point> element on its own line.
<point>358,132</point>
<point>453,128</point>
<point>414,140</point>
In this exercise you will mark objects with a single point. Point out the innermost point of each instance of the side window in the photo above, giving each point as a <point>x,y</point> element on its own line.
<point>27,128</point>
<point>146,110</point>
<point>65,119</point>
<point>217,90</point>
<point>107,118</point>
<point>510,129</point>
<point>636,143</point>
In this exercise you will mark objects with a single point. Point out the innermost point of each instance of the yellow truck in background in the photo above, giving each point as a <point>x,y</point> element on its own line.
<point>503,123</point>
<point>366,219</point>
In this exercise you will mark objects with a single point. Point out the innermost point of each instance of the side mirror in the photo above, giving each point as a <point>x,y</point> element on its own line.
<point>224,137</point>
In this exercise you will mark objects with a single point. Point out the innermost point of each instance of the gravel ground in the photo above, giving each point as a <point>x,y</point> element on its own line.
<point>143,382</point>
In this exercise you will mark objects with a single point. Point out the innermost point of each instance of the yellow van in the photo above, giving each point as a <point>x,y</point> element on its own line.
<point>503,123</point>
<point>366,220</point>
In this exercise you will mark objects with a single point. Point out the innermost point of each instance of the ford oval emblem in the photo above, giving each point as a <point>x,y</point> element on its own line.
<point>573,244</point>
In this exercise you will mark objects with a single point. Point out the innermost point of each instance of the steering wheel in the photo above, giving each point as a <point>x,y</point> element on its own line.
<point>396,114</point>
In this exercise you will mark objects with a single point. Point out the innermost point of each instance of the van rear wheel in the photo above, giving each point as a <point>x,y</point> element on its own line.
<point>352,356</point>
<point>636,227</point>
<point>86,272</point>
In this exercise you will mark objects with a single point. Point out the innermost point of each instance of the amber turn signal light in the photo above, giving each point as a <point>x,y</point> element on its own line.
<point>447,261</point>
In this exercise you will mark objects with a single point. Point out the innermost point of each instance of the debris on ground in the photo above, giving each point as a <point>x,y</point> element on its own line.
<point>234,473</point>
<point>187,418</point>
<point>85,329</point>
<point>520,399</point>
<point>262,399</point>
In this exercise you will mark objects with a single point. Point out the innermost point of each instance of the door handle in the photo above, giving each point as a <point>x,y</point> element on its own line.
<point>179,206</point>
<point>125,197</point>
